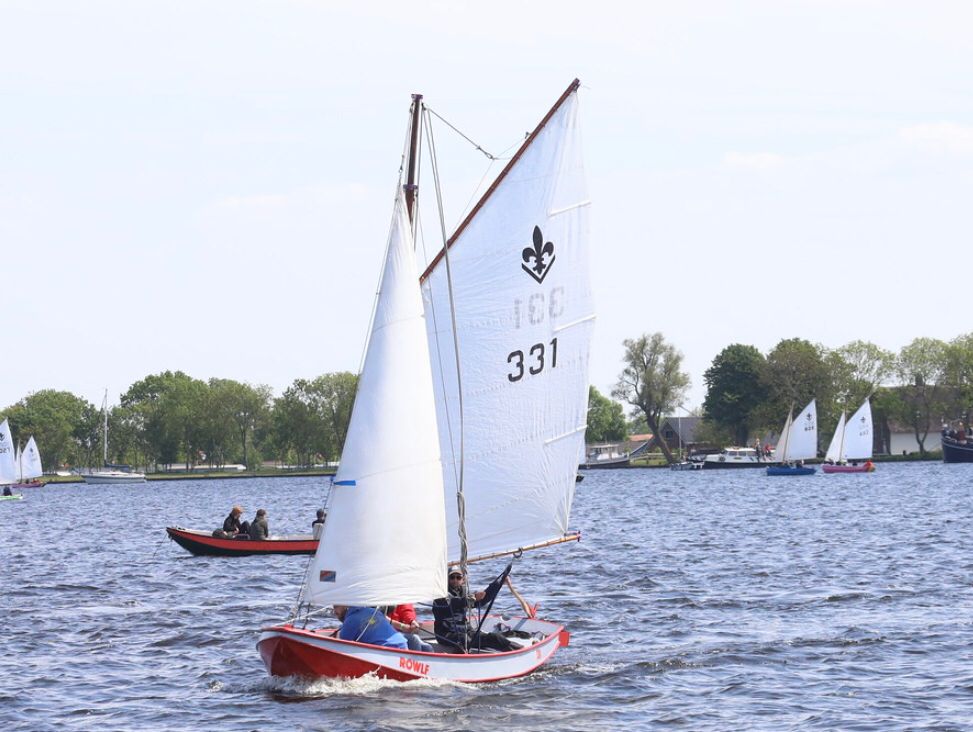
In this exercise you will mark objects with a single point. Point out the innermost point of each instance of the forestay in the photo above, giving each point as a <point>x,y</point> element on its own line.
<point>30,461</point>
<point>8,464</point>
<point>524,318</point>
<point>384,542</point>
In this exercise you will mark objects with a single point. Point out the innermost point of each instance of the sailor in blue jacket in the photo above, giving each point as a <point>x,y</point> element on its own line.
<point>368,625</point>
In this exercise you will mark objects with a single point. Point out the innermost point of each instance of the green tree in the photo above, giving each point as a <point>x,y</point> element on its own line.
<point>653,381</point>
<point>734,391</point>
<point>606,419</point>
<point>795,373</point>
<point>959,375</point>
<point>56,419</point>
<point>921,370</point>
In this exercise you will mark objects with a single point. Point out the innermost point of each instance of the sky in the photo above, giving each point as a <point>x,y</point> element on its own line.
<point>207,186</point>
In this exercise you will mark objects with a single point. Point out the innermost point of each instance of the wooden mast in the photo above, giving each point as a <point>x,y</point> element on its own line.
<point>410,184</point>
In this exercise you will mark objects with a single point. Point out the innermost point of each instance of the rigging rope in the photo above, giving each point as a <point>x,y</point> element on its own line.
<point>460,499</point>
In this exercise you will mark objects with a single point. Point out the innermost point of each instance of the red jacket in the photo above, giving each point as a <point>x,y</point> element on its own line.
<point>403,613</point>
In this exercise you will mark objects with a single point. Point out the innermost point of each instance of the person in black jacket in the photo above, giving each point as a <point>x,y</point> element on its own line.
<point>452,626</point>
<point>232,524</point>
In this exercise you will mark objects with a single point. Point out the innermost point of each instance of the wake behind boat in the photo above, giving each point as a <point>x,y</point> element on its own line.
<point>486,370</point>
<point>204,543</point>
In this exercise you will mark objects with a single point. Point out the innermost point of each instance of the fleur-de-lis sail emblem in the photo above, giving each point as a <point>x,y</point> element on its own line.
<point>539,253</point>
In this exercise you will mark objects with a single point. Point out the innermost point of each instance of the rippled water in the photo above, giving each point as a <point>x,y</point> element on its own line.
<point>711,601</point>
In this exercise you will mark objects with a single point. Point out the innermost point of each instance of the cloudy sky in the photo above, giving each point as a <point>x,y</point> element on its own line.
<point>206,186</point>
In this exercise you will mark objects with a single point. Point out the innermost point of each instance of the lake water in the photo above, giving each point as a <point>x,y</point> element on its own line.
<point>718,600</point>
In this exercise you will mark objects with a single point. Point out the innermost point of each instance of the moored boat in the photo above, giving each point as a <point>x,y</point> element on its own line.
<point>607,455</point>
<point>203,543</point>
<point>111,473</point>
<point>735,457</point>
<point>957,451</point>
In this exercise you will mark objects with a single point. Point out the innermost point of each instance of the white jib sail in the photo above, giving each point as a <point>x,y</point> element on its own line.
<point>858,434</point>
<point>780,450</point>
<point>836,448</point>
<point>803,443</point>
<point>8,462</point>
<point>30,461</point>
<point>385,539</point>
<point>524,321</point>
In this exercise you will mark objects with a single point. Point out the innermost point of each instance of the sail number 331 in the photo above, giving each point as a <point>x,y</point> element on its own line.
<point>534,362</point>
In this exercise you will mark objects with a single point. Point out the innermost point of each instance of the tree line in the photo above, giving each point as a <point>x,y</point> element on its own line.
<point>171,418</point>
<point>748,394</point>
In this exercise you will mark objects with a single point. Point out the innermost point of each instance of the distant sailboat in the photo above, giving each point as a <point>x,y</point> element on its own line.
<point>852,441</point>
<point>110,474</point>
<point>29,466</point>
<point>798,442</point>
<point>8,456</point>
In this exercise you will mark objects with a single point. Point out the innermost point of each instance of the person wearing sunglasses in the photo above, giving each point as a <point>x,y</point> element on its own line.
<point>452,626</point>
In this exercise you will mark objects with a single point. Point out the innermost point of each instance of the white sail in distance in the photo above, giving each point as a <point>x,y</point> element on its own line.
<point>8,462</point>
<point>803,442</point>
<point>524,318</point>
<point>858,434</point>
<point>384,542</point>
<point>836,448</point>
<point>780,450</point>
<point>30,461</point>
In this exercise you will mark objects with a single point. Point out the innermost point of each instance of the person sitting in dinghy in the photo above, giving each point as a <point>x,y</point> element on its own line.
<point>403,619</point>
<point>260,529</point>
<point>232,524</point>
<point>368,625</point>
<point>452,625</point>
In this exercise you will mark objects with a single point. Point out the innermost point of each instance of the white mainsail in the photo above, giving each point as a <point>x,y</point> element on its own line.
<point>803,441</point>
<point>780,450</point>
<point>385,539</point>
<point>8,462</point>
<point>30,461</point>
<point>836,449</point>
<point>858,434</point>
<point>524,317</point>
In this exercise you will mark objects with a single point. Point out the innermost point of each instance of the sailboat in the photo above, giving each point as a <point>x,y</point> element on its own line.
<point>29,466</point>
<point>111,473</point>
<point>8,458</point>
<point>468,421</point>
<point>852,441</point>
<point>798,442</point>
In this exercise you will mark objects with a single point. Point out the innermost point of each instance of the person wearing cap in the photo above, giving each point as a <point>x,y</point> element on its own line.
<point>232,525</point>
<point>452,626</point>
<point>368,625</point>
<point>260,529</point>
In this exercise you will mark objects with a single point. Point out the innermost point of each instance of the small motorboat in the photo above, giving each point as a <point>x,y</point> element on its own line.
<point>28,484</point>
<point>203,543</point>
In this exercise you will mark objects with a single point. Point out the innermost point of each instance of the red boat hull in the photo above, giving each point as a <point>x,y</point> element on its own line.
<point>202,543</point>
<point>28,484</point>
<point>863,468</point>
<point>290,651</point>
